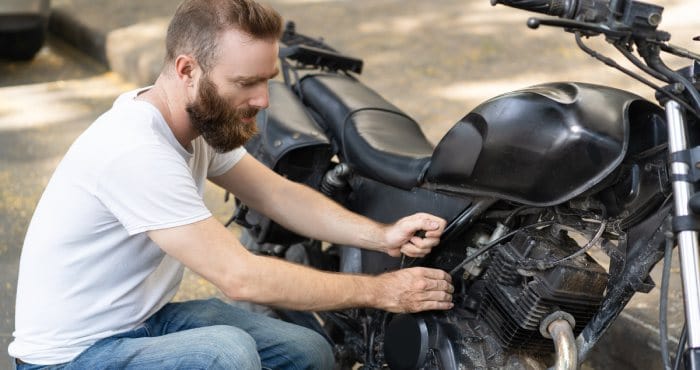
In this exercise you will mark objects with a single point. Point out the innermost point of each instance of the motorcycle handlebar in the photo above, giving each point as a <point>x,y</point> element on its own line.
<point>558,8</point>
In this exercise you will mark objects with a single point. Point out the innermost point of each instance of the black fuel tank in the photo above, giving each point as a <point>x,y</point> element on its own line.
<point>540,146</point>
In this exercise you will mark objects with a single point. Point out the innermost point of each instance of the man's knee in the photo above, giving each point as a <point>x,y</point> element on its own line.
<point>312,350</point>
<point>226,346</point>
<point>323,352</point>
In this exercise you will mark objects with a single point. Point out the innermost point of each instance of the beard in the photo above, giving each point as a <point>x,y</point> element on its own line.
<point>220,124</point>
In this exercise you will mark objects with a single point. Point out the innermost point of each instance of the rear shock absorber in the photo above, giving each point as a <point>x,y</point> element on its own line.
<point>335,184</point>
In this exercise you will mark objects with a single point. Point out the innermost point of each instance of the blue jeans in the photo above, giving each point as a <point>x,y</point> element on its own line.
<point>206,335</point>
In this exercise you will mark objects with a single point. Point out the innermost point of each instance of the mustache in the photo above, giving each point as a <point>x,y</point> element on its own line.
<point>247,112</point>
<point>214,109</point>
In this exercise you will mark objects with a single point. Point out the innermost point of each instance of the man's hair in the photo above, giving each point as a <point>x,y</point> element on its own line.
<point>197,25</point>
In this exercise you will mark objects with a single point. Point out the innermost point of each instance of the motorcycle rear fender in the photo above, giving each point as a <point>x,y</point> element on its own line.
<point>540,146</point>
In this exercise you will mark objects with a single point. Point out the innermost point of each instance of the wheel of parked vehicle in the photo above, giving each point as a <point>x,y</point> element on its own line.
<point>22,28</point>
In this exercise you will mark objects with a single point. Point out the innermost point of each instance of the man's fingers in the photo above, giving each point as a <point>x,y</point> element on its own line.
<point>435,274</point>
<point>442,285</point>
<point>434,234</point>
<point>431,300</point>
<point>426,222</point>
<point>420,289</point>
<point>418,247</point>
<point>436,296</point>
<point>432,306</point>
<point>418,223</point>
<point>437,285</point>
<point>433,224</point>
<point>430,224</point>
<point>395,252</point>
<point>424,243</point>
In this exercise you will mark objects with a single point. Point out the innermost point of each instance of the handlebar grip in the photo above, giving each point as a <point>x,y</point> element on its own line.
<point>559,8</point>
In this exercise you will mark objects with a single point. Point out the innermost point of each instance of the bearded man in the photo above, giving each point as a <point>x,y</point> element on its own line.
<point>123,215</point>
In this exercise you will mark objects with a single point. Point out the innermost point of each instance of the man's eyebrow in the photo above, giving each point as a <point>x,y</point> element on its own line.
<point>254,79</point>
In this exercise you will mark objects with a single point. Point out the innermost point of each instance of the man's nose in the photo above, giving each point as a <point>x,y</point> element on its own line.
<point>261,97</point>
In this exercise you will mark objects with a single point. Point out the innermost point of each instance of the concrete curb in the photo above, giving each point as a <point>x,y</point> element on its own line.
<point>139,61</point>
<point>135,52</point>
<point>65,25</point>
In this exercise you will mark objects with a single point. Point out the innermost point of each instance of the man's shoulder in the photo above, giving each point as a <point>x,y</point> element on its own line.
<point>124,126</point>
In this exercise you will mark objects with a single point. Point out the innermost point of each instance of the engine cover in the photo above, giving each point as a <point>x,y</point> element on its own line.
<point>516,300</point>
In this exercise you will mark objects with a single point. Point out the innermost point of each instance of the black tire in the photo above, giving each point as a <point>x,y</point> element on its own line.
<point>21,36</point>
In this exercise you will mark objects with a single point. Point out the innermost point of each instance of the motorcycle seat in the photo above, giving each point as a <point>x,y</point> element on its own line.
<point>377,139</point>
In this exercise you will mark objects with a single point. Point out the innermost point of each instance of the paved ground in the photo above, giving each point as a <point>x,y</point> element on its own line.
<point>436,60</point>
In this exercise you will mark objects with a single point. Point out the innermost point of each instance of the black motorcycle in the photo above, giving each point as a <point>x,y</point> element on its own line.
<point>529,182</point>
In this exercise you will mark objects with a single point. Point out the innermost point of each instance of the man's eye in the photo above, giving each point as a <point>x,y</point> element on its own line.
<point>246,84</point>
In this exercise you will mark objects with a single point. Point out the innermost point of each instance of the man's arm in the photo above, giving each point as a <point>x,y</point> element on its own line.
<point>212,251</point>
<point>307,212</point>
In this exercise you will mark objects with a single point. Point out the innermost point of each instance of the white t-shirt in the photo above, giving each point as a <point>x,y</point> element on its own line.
<point>88,270</point>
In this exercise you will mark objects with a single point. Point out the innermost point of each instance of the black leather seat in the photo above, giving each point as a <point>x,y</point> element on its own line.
<point>378,139</point>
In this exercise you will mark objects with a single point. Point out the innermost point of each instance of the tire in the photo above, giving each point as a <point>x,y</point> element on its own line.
<point>21,36</point>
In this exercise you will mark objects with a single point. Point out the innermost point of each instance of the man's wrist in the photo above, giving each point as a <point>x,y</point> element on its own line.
<point>370,291</point>
<point>376,238</point>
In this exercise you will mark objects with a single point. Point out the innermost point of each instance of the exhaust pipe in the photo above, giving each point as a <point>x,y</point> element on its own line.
<point>558,326</point>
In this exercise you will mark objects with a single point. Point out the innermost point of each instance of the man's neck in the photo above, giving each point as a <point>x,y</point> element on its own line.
<point>173,108</point>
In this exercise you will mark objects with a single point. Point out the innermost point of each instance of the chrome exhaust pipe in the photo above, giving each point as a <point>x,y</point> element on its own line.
<point>558,326</point>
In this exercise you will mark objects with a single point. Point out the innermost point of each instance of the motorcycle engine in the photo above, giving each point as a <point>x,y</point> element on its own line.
<point>512,298</point>
<point>516,300</point>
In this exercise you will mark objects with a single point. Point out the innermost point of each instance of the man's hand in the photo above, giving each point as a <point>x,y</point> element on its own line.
<point>415,289</point>
<point>401,236</point>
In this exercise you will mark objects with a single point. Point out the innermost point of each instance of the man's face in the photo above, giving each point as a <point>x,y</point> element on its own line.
<point>222,125</point>
<point>231,94</point>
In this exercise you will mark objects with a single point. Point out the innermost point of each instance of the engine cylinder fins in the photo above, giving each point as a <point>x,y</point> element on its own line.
<point>514,311</point>
<point>504,270</point>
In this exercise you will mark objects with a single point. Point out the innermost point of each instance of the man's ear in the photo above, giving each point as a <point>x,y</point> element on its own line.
<point>185,69</point>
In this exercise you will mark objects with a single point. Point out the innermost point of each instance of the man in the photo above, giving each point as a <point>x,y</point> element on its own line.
<point>123,213</point>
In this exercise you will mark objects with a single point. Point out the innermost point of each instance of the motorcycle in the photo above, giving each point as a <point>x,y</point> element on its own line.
<point>529,181</point>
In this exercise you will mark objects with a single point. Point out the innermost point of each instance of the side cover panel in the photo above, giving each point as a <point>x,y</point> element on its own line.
<point>293,145</point>
<point>285,127</point>
<point>540,146</point>
<point>387,204</point>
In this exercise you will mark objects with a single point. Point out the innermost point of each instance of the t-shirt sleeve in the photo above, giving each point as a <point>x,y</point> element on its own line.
<point>219,163</point>
<point>150,188</point>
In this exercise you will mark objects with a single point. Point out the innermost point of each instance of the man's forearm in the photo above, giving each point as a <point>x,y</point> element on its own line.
<point>275,282</point>
<point>310,213</point>
<point>278,283</point>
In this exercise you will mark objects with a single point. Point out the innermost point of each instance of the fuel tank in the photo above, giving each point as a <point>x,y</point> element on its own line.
<point>541,145</point>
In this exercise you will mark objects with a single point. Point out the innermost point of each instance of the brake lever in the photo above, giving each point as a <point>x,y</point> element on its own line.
<point>570,25</point>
